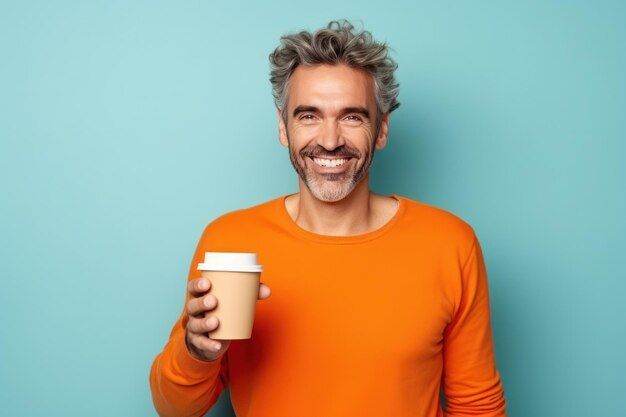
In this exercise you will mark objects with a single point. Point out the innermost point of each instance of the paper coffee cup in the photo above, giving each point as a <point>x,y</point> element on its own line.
<point>235,279</point>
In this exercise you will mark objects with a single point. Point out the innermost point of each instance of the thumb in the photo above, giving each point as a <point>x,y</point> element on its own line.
<point>264,291</point>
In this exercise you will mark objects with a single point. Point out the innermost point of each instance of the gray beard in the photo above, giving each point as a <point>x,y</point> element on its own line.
<point>319,191</point>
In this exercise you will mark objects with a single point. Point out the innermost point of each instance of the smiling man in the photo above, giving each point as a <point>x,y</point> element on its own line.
<point>378,302</point>
<point>332,128</point>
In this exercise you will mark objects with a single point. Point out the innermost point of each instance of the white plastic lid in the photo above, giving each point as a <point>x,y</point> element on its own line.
<point>230,261</point>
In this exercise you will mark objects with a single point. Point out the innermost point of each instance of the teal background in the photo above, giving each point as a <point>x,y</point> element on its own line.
<point>125,127</point>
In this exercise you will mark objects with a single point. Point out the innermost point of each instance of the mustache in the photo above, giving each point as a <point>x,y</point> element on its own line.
<point>318,151</point>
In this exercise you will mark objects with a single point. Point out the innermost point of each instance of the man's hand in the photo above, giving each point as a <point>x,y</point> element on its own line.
<point>200,323</point>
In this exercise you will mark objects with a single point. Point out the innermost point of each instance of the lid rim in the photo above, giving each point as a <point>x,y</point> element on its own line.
<point>230,268</point>
<point>230,261</point>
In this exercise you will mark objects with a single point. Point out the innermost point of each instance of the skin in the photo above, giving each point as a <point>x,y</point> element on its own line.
<point>200,304</point>
<point>331,114</point>
<point>338,122</point>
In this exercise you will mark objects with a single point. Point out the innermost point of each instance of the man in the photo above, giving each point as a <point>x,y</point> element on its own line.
<point>377,302</point>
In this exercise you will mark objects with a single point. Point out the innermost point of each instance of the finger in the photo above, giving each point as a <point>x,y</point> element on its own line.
<point>211,345</point>
<point>202,326</point>
<point>264,291</point>
<point>200,305</point>
<point>199,286</point>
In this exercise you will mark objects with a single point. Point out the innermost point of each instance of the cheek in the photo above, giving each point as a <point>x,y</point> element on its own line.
<point>361,137</point>
<point>302,134</point>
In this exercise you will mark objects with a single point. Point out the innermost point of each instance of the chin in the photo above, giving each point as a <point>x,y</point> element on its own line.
<point>330,194</point>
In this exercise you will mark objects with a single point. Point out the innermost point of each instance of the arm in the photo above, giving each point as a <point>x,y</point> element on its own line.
<point>471,381</point>
<point>187,378</point>
<point>183,385</point>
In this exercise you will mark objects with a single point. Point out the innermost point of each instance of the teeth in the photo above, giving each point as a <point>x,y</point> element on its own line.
<point>329,162</point>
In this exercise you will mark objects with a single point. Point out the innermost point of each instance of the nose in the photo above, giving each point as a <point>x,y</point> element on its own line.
<point>330,137</point>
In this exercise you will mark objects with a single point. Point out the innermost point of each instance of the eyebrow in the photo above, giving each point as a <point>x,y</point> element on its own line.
<point>359,110</point>
<point>304,109</point>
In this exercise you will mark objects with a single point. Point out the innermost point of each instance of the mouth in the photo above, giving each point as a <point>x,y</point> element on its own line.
<point>330,162</point>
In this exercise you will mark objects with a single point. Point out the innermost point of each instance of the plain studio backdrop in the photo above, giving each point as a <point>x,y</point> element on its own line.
<point>127,126</point>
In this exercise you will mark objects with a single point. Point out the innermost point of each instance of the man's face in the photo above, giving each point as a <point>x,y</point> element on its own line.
<point>331,128</point>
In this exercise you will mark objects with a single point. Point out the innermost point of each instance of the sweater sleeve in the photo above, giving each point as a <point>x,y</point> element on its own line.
<point>181,385</point>
<point>471,381</point>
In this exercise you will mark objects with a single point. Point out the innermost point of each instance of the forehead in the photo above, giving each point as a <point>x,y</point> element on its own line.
<point>330,86</point>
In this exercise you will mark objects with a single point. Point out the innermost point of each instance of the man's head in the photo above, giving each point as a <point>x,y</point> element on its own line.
<point>336,44</point>
<point>334,90</point>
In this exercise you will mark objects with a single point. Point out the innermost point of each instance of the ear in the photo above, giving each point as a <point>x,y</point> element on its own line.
<point>282,129</point>
<point>381,140</point>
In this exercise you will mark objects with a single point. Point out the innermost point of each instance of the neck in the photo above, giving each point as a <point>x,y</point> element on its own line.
<point>360,212</point>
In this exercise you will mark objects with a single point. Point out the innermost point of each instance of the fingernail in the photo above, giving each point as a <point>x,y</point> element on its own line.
<point>208,302</point>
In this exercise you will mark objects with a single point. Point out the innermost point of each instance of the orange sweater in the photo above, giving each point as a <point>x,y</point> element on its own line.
<point>365,325</point>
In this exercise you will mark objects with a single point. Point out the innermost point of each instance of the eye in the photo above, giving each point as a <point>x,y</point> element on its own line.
<point>355,118</point>
<point>307,116</point>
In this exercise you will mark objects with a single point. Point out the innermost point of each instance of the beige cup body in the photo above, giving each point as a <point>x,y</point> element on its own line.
<point>236,294</point>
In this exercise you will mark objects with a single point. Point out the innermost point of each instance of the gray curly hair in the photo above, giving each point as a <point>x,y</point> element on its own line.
<point>338,43</point>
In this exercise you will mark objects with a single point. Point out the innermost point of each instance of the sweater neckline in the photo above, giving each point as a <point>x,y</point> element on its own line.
<point>294,229</point>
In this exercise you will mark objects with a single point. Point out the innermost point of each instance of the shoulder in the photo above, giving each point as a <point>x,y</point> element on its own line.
<point>246,217</point>
<point>436,225</point>
<point>243,224</point>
